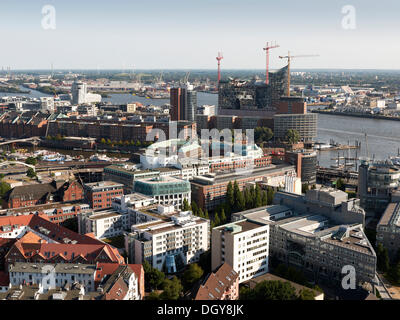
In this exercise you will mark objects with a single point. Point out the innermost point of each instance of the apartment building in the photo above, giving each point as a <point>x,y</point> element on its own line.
<point>242,244</point>
<point>169,243</point>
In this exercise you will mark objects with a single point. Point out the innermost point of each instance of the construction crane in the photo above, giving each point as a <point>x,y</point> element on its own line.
<point>219,58</point>
<point>267,48</point>
<point>289,58</point>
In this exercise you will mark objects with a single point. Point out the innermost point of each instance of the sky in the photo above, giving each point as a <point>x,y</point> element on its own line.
<point>187,34</point>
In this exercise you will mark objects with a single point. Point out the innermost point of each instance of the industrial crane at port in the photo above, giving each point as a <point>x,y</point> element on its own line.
<point>289,58</point>
<point>267,48</point>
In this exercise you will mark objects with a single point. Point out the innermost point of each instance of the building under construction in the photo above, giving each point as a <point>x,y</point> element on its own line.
<point>239,97</point>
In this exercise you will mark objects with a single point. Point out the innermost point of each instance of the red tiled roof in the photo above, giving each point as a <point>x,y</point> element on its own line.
<point>217,283</point>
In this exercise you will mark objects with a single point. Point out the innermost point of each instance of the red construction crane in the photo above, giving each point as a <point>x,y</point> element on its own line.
<point>267,48</point>
<point>219,58</point>
<point>289,58</point>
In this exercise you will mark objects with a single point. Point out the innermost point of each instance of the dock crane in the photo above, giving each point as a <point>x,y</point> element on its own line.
<point>289,58</point>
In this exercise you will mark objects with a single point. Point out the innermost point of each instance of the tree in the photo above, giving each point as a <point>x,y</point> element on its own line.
<point>156,278</point>
<point>257,199</point>
<point>4,188</point>
<point>222,216</point>
<point>382,258</point>
<point>340,184</point>
<point>206,214</point>
<point>200,213</point>
<point>270,195</point>
<point>270,290</point>
<point>394,273</point>
<point>153,277</point>
<point>195,208</point>
<point>103,141</point>
<point>262,134</point>
<point>185,205</point>
<point>191,275</point>
<point>153,296</point>
<point>304,187</point>
<point>31,160</point>
<point>31,173</point>
<point>172,289</point>
<point>264,198</point>
<point>306,294</point>
<point>230,197</point>
<point>292,136</point>
<point>217,221</point>
<point>248,199</point>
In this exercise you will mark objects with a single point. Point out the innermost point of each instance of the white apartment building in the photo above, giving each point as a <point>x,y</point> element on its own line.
<point>244,245</point>
<point>169,243</point>
<point>104,223</point>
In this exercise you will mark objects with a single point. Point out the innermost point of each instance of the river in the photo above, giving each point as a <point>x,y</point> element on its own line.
<point>383,135</point>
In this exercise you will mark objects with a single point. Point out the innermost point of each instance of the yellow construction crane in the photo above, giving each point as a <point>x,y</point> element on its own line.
<point>289,58</point>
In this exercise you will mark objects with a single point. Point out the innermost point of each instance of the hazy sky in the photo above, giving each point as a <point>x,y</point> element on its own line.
<point>168,34</point>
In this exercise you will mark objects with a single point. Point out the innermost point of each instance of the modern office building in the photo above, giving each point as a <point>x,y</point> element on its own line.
<point>304,124</point>
<point>319,234</point>
<point>183,102</point>
<point>242,244</point>
<point>165,191</point>
<point>388,230</point>
<point>80,94</point>
<point>376,183</point>
<point>306,164</point>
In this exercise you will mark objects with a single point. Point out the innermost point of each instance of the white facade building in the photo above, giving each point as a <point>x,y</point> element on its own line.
<point>169,243</point>
<point>244,245</point>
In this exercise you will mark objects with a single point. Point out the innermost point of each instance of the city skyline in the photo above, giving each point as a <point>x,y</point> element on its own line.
<point>181,35</point>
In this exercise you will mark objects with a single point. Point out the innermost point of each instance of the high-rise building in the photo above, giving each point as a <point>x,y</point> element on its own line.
<point>80,94</point>
<point>183,102</point>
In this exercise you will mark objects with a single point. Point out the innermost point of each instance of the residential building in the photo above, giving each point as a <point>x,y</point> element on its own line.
<point>242,244</point>
<point>169,243</point>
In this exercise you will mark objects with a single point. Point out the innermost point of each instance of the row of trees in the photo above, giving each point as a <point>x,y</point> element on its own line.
<point>391,270</point>
<point>235,201</point>
<point>265,134</point>
<point>131,143</point>
<point>275,290</point>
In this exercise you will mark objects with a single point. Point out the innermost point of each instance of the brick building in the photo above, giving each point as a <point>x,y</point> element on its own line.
<point>100,194</point>
<point>209,191</point>
<point>31,195</point>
